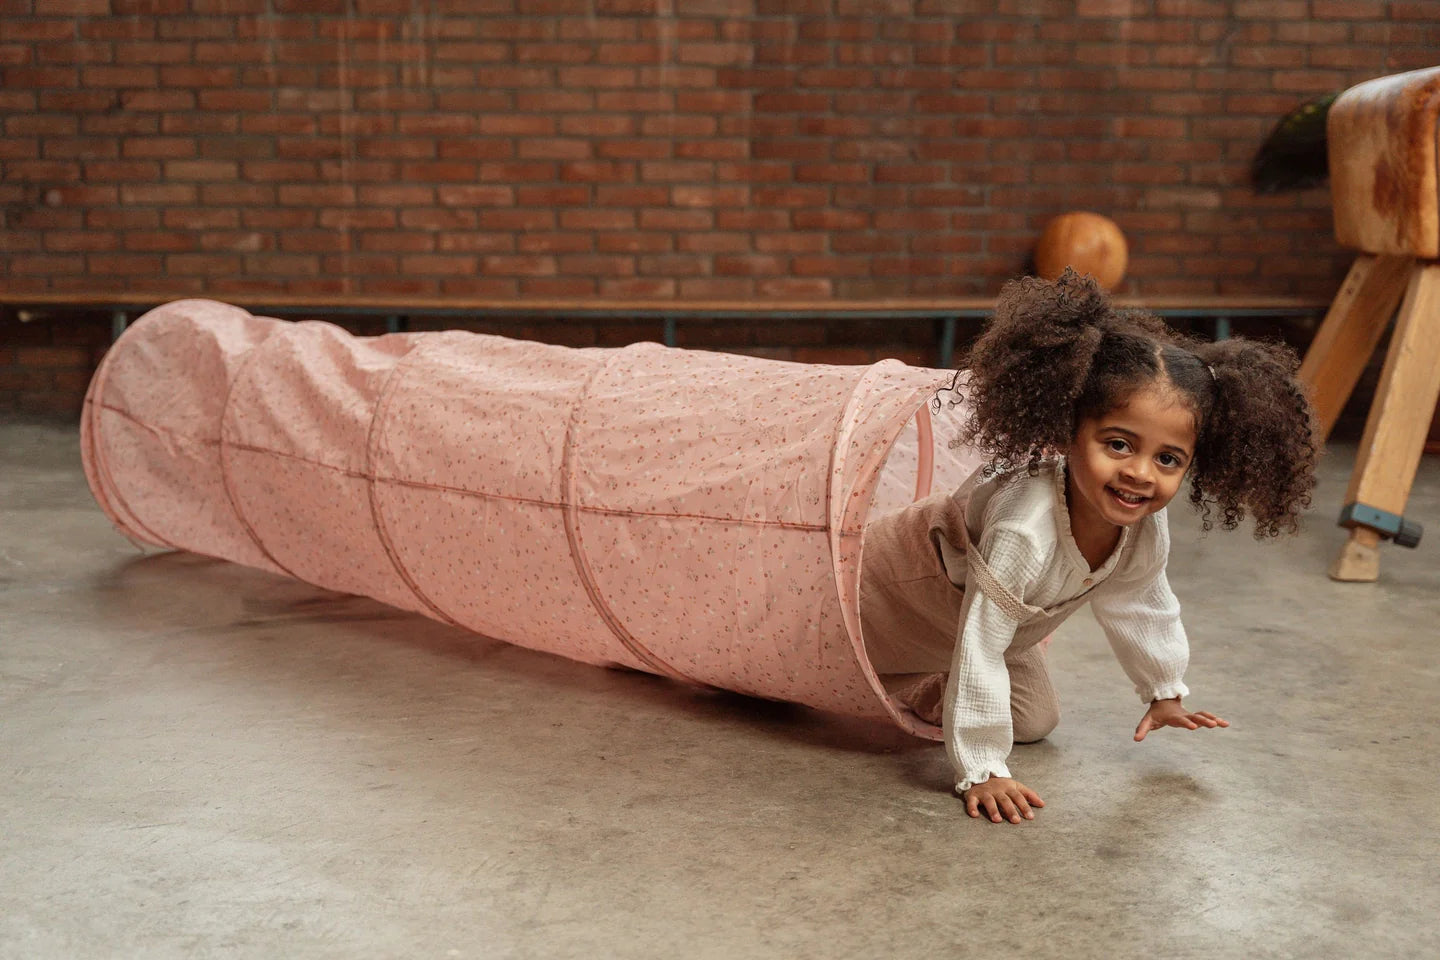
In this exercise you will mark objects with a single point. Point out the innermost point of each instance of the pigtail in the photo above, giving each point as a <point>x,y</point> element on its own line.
<point>1258,447</point>
<point>1030,365</point>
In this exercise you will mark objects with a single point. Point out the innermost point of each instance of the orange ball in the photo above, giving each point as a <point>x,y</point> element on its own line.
<point>1086,241</point>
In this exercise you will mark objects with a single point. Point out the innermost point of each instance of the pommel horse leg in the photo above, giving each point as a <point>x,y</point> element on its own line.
<point>1351,331</point>
<point>1399,418</point>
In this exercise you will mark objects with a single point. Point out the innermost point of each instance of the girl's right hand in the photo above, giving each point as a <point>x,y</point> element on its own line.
<point>1001,795</point>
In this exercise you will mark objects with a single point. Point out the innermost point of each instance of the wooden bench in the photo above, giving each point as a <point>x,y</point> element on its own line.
<point>397,310</point>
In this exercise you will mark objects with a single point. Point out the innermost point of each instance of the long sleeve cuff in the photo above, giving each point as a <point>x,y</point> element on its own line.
<point>969,778</point>
<point>1163,691</point>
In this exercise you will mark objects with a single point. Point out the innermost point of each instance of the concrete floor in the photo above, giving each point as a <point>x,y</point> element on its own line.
<point>201,760</point>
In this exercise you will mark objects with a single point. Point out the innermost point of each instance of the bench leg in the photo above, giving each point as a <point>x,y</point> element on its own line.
<point>1399,418</point>
<point>1350,332</point>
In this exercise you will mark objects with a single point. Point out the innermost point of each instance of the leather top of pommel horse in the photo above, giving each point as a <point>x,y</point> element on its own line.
<point>1381,138</point>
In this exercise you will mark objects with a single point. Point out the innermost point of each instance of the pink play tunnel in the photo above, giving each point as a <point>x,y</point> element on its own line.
<point>692,514</point>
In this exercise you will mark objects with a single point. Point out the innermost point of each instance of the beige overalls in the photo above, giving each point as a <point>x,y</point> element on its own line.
<point>915,568</point>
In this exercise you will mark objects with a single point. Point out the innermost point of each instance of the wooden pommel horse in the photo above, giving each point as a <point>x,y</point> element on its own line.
<point>1381,139</point>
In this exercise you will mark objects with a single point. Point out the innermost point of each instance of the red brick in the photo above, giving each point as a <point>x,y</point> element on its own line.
<point>659,101</point>
<point>277,219</point>
<point>717,288</point>
<point>160,241</point>
<point>237,241</point>
<point>52,357</point>
<point>793,243</point>
<point>41,265</point>
<point>40,77</point>
<point>277,264</point>
<point>86,101</point>
<point>788,197</point>
<point>453,171</point>
<point>403,98</point>
<point>832,173</point>
<point>753,173</point>
<point>677,265</point>
<point>833,220</point>
<point>396,241</point>
<point>666,219</point>
<point>791,150</point>
<point>472,148</point>
<point>66,241</point>
<point>299,241</point>
<point>867,243</point>
<point>396,149</point>
<point>597,265</point>
<point>15,101</point>
<point>638,288</point>
<point>200,218</point>
<point>119,218</point>
<point>436,124</point>
<point>634,150</point>
<point>632,242</point>
<point>597,172</point>
<point>330,194</point>
<point>753,220</point>
<point>514,172</point>
<point>566,196</point>
<point>535,241</point>
<point>522,220</point>
<point>120,170</point>
<point>627,195</point>
<point>489,287</point>
<point>553,101</point>
<point>554,148</point>
<point>392,194</point>
<point>520,125</point>
<point>199,123</point>
<point>438,264</point>
<point>429,218</point>
<point>201,170</point>
<point>159,148</point>
<point>597,219</point>
<point>685,172</point>
<point>520,266</point>
<point>19,29</point>
<point>63,54</point>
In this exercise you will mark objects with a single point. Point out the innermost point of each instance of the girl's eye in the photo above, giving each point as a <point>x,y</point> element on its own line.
<point>1169,460</point>
<point>1118,445</point>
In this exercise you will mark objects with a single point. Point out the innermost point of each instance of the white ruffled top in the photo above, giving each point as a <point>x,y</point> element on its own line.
<point>1025,538</point>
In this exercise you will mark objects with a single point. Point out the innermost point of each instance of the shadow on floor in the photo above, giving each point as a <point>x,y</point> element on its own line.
<point>225,605</point>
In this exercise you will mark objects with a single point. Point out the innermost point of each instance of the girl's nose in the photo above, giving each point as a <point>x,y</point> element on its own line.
<point>1136,471</point>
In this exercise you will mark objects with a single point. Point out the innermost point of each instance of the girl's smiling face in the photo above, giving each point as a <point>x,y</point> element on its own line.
<point>1129,462</point>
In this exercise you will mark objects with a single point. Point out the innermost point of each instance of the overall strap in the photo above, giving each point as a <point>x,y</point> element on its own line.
<point>979,572</point>
<point>1015,608</point>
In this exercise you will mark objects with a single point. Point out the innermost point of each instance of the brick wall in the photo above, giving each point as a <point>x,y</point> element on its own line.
<point>653,148</point>
<point>659,148</point>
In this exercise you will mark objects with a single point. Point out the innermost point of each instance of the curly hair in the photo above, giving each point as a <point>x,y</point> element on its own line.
<point>1058,353</point>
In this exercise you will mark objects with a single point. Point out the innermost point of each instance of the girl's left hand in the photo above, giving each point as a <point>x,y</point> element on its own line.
<point>1169,713</point>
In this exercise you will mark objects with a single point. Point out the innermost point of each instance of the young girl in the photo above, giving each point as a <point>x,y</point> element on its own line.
<point>1090,419</point>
